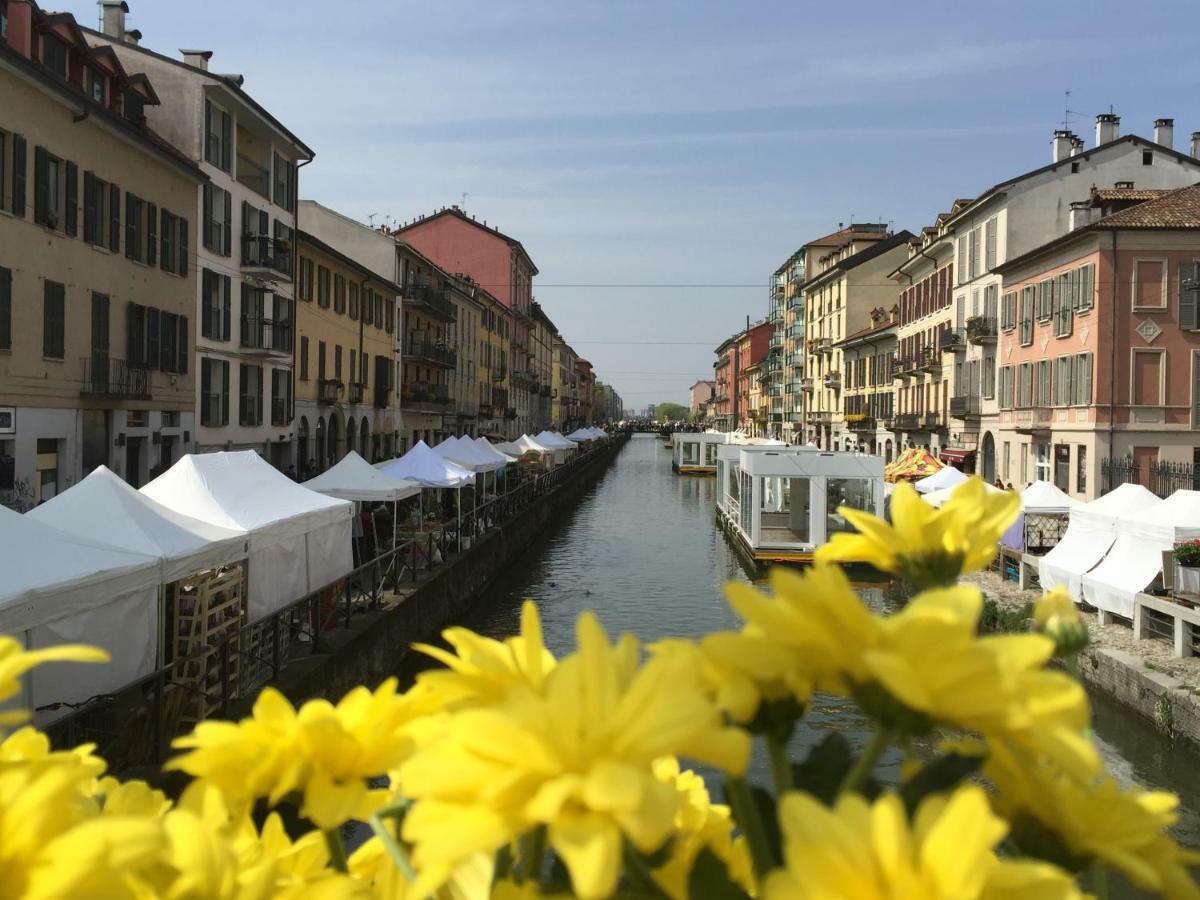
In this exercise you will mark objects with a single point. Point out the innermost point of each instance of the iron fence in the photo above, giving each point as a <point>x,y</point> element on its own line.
<point>1162,478</point>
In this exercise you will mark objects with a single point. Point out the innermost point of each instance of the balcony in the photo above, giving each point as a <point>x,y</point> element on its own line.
<point>104,376</point>
<point>794,387</point>
<point>952,341</point>
<point>355,393</point>
<point>510,412</point>
<point>833,380</point>
<point>383,397</point>
<point>329,391</point>
<point>796,331</point>
<point>425,298</point>
<point>933,421</point>
<point>806,385</point>
<point>267,255</point>
<point>819,416</point>
<point>430,352</point>
<point>499,373</point>
<point>485,411</point>
<point>263,336</point>
<point>776,339</point>
<point>860,422</point>
<point>823,345</point>
<point>904,367</point>
<point>930,360</point>
<point>907,422</point>
<point>423,396</point>
<point>775,391</point>
<point>1033,421</point>
<point>965,407</point>
<point>981,330</point>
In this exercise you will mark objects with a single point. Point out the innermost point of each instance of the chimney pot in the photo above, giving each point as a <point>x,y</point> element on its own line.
<point>113,14</point>
<point>197,58</point>
<point>1081,214</point>
<point>1060,146</point>
<point>1196,144</point>
<point>1076,144</point>
<point>1164,133</point>
<point>1123,185</point>
<point>1108,128</point>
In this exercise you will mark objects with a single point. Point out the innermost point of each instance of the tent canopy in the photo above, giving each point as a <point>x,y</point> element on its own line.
<point>939,497</point>
<point>1043,498</point>
<point>554,441</point>
<point>353,478</point>
<point>948,477</point>
<point>104,504</point>
<point>582,434</point>
<point>522,445</point>
<point>428,468</point>
<point>466,453</point>
<point>483,444</point>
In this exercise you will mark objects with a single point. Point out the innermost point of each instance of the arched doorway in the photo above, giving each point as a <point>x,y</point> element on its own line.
<point>351,434</point>
<point>319,459</point>
<point>365,441</point>
<point>302,445</point>
<point>988,458</point>
<point>334,441</point>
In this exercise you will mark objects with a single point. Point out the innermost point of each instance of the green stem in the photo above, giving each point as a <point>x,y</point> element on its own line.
<point>745,813</point>
<point>337,850</point>
<point>866,762</point>
<point>393,848</point>
<point>1100,883</point>
<point>781,765</point>
<point>639,873</point>
<point>533,850</point>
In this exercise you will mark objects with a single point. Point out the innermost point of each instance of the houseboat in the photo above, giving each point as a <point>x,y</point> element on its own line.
<point>778,504</point>
<point>695,453</point>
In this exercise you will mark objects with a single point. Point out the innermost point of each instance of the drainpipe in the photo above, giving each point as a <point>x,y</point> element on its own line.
<point>295,287</point>
<point>362,297</point>
<point>1112,350</point>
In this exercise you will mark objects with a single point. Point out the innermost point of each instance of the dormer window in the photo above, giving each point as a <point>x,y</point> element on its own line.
<point>135,107</point>
<point>95,85</point>
<point>54,55</point>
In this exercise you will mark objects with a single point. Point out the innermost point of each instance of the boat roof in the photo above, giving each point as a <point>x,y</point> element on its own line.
<point>798,462</point>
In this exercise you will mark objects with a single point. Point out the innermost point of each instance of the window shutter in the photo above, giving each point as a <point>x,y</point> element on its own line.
<point>183,248</point>
<point>18,179</point>
<point>206,227</point>
<point>226,142</point>
<point>71,218</point>
<point>206,284</point>
<point>5,308</point>
<point>228,237</point>
<point>224,392</point>
<point>135,323</point>
<point>226,309</point>
<point>164,257</point>
<point>208,129</point>
<point>1083,379</point>
<point>114,218</point>
<point>182,366</point>
<point>1189,293</point>
<point>130,238</point>
<point>151,360</point>
<point>89,207</point>
<point>205,390</point>
<point>41,186</point>
<point>151,234</point>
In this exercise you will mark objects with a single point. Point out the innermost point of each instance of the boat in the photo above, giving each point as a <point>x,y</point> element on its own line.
<point>695,452</point>
<point>779,504</point>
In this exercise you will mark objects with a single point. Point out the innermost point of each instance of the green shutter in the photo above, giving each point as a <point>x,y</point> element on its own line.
<point>227,242</point>
<point>18,178</point>
<point>205,389</point>
<point>226,142</point>
<point>130,237</point>
<point>164,256</point>
<point>224,392</point>
<point>206,225</point>
<point>114,218</point>
<point>71,219</point>
<point>1189,295</point>
<point>226,310</point>
<point>89,207</point>
<point>182,262</point>
<point>41,185</point>
<point>182,366</point>
<point>5,308</point>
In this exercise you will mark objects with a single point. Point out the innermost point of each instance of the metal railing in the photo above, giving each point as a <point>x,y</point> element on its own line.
<point>428,351</point>
<point>966,405</point>
<point>981,329</point>
<point>260,333</point>
<point>103,375</point>
<point>1162,478</point>
<point>434,300</point>
<point>418,392</point>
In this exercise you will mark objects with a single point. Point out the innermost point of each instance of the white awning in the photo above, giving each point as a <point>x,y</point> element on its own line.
<point>353,478</point>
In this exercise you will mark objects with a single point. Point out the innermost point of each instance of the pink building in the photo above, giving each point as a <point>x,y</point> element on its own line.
<point>1099,346</point>
<point>702,394</point>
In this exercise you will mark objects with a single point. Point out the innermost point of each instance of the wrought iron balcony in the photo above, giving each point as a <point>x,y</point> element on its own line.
<point>107,377</point>
<point>833,380</point>
<point>930,360</point>
<point>329,390</point>
<point>425,298</point>
<point>933,421</point>
<point>907,421</point>
<point>264,335</point>
<point>430,352</point>
<point>981,329</point>
<point>952,341</point>
<point>965,407</point>
<point>354,393</point>
<point>419,395</point>
<point>860,422</point>
<point>263,253</point>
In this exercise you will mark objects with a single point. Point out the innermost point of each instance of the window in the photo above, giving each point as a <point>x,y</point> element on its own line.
<point>1004,386</point>
<point>1044,295</point>
<point>151,234</point>
<point>95,85</point>
<point>12,173</point>
<point>990,228</point>
<point>218,137</point>
<point>281,256</point>
<point>337,362</point>
<point>963,266</point>
<point>1083,379</point>
<point>306,278</point>
<point>285,183</point>
<point>173,243</point>
<point>1063,372</point>
<point>304,357</point>
<point>1024,398</point>
<point>1008,311</point>
<point>214,305</point>
<point>320,360</point>
<point>250,393</point>
<point>378,298</point>
<point>390,315</point>
<point>281,396</point>
<point>101,212</point>
<point>47,188</point>
<point>5,308</point>
<point>1074,168</point>
<point>1150,283</point>
<point>135,227</point>
<point>339,293</point>
<point>1189,296</point>
<point>1064,306</point>
<point>1147,157</point>
<point>1081,468</point>
<point>1006,458</point>
<point>256,234</point>
<point>134,107</point>
<point>53,320</point>
<point>989,377</point>
<point>1147,374</point>
<point>253,330</point>
<point>281,324</point>
<point>214,392</point>
<point>354,300</point>
<point>323,286</point>
<point>54,55</point>
<point>1026,337</point>
<point>1087,287</point>
<point>217,227</point>
<point>1043,383</point>
<point>976,256</point>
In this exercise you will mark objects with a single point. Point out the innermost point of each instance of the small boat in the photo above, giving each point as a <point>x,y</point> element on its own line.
<point>695,452</point>
<point>778,504</point>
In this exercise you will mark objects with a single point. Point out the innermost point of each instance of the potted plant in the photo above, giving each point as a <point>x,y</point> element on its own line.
<point>1187,567</point>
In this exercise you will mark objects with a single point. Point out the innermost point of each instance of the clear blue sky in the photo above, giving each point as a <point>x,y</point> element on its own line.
<point>683,147</point>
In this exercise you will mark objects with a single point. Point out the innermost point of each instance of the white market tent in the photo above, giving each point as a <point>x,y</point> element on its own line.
<point>939,497</point>
<point>299,539</point>
<point>1045,506</point>
<point>466,453</point>
<point>427,468</point>
<point>582,434</point>
<point>104,504</point>
<point>487,447</point>
<point>1043,498</point>
<point>353,478</point>
<point>1090,534</point>
<point>60,588</point>
<point>949,477</point>
<point>1135,559</point>
<point>555,441</point>
<point>522,445</point>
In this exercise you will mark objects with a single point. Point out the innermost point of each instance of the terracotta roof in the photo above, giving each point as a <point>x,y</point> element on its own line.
<point>867,332</point>
<point>1169,210</point>
<point>1128,193</point>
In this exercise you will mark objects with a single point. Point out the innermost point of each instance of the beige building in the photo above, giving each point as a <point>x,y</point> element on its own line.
<point>847,283</point>
<point>542,337</point>
<point>428,357</point>
<point>97,284</point>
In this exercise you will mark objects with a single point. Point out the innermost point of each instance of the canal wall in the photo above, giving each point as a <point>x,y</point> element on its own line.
<point>377,642</point>
<point>1172,705</point>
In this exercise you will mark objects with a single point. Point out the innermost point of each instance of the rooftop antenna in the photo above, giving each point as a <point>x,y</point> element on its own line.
<point>1067,111</point>
<point>371,218</point>
<point>465,195</point>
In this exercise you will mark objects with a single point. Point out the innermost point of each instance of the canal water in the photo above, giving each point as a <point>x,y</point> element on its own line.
<point>642,549</point>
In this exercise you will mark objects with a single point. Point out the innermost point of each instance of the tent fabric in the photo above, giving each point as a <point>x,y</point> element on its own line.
<point>1043,498</point>
<point>914,463</point>
<point>353,478</point>
<point>61,587</point>
<point>1090,533</point>
<point>1135,558</point>
<point>939,497</point>
<point>948,477</point>
<point>483,444</point>
<point>104,504</point>
<point>522,445</point>
<point>466,453</point>
<point>427,468</point>
<point>299,539</point>
<point>582,434</point>
<point>554,441</point>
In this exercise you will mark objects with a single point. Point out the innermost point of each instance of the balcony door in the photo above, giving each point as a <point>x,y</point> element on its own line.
<point>100,359</point>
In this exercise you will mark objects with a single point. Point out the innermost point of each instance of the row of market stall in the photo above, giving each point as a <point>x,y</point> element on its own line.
<point>217,542</point>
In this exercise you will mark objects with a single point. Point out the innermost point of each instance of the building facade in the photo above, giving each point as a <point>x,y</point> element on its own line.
<point>586,387</point>
<point>700,398</point>
<point>428,355</point>
<point>542,338</point>
<point>868,401</point>
<point>97,282</point>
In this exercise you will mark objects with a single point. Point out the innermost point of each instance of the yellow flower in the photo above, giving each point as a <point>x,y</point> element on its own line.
<point>870,851</point>
<point>1057,617</point>
<point>482,669</point>
<point>1080,823</point>
<point>699,823</point>
<point>372,865</point>
<point>576,756</point>
<point>324,752</point>
<point>927,546</point>
<point>15,661</point>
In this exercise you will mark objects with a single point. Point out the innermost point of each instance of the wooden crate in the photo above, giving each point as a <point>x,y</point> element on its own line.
<point>207,609</point>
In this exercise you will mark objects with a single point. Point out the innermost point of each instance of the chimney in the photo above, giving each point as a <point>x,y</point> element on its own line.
<point>1107,128</point>
<point>133,36</point>
<point>1164,133</point>
<point>1076,144</point>
<point>1081,214</point>
<point>197,59</point>
<point>113,20</point>
<point>1196,144</point>
<point>1061,144</point>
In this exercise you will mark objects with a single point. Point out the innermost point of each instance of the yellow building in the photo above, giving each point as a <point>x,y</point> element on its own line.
<point>564,386</point>
<point>429,360</point>
<point>345,352</point>
<point>542,338</point>
<point>497,416</point>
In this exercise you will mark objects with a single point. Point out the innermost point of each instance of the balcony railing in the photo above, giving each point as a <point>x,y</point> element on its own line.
<point>833,380</point>
<point>417,394</point>
<point>806,384</point>
<point>933,421</point>
<point>981,329</point>
<point>259,333</point>
<point>354,393</point>
<point>819,416</point>
<point>108,377</point>
<point>485,410</point>
<point>1033,421</point>
<point>499,373</point>
<point>263,252</point>
<point>930,360</point>
<point>907,421</point>
<point>427,298</point>
<point>904,366</point>
<point>329,390</point>
<point>952,341</point>
<point>430,352</point>
<point>861,423</point>
<point>966,406</point>
<point>823,345</point>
